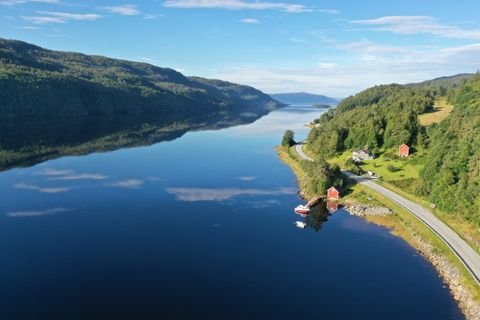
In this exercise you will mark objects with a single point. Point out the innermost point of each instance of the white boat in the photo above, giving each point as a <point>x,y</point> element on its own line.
<point>301,209</point>
<point>300,224</point>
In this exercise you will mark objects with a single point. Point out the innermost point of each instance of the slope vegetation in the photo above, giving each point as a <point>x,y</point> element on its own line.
<point>40,82</point>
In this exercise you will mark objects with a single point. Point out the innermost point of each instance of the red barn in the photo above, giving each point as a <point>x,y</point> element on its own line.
<point>333,193</point>
<point>404,150</point>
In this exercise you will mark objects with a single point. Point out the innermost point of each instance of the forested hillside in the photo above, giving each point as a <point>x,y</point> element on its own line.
<point>383,116</point>
<point>448,153</point>
<point>39,82</point>
<point>451,176</point>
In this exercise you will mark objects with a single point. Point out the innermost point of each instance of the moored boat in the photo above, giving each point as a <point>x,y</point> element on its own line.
<point>300,224</point>
<point>301,209</point>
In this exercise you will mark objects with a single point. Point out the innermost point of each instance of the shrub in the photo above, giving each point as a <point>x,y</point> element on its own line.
<point>392,168</point>
<point>288,138</point>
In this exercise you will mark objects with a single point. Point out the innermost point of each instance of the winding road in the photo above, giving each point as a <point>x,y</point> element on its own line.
<point>469,257</point>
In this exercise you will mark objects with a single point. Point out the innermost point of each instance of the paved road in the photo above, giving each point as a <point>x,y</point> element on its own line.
<point>299,150</point>
<point>464,252</point>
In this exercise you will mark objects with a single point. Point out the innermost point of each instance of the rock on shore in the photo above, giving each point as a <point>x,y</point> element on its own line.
<point>367,210</point>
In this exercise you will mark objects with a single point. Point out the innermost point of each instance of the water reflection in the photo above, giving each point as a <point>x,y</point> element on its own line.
<point>27,141</point>
<point>36,213</point>
<point>292,117</point>
<point>319,214</point>
<point>222,194</point>
<point>26,186</point>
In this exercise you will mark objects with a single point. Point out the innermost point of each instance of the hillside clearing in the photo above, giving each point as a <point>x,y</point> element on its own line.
<point>442,109</point>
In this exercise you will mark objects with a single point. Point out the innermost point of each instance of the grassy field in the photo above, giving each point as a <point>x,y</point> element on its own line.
<point>291,158</point>
<point>400,168</point>
<point>441,110</point>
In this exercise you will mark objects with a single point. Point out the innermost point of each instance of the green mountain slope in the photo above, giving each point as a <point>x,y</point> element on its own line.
<point>448,153</point>
<point>382,116</point>
<point>451,175</point>
<point>40,82</point>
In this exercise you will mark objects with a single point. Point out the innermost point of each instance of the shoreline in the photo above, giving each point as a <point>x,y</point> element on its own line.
<point>404,225</point>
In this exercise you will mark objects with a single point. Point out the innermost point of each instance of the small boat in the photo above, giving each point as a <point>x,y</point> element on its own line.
<point>300,224</point>
<point>301,209</point>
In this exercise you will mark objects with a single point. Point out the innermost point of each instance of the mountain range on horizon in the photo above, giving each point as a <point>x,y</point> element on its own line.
<point>304,98</point>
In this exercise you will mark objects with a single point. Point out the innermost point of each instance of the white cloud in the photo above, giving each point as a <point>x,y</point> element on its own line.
<point>250,21</point>
<point>297,40</point>
<point>36,213</point>
<point>146,59</point>
<point>327,65</point>
<point>124,10</point>
<point>366,46</point>
<point>25,186</point>
<point>153,16</point>
<point>128,184</point>
<point>368,64</point>
<point>237,5</point>
<point>60,17</point>
<point>207,194</point>
<point>28,28</point>
<point>419,25</point>
<point>15,2</point>
<point>43,19</point>
<point>329,11</point>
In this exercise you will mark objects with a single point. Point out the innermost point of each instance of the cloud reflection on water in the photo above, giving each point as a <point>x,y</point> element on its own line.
<point>26,186</point>
<point>127,184</point>
<point>53,172</point>
<point>246,178</point>
<point>212,194</point>
<point>293,118</point>
<point>68,174</point>
<point>36,213</point>
<point>81,176</point>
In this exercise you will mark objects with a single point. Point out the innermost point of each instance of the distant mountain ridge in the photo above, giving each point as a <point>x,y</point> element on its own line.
<point>41,82</point>
<point>304,98</point>
<point>446,82</point>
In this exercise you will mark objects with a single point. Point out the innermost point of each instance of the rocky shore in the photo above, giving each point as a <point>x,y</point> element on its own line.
<point>452,277</point>
<point>367,210</point>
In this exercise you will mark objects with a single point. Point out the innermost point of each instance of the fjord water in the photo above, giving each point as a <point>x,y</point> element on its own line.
<point>198,228</point>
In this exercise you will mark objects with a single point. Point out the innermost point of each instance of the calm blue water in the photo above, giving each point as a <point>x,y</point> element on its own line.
<point>197,228</point>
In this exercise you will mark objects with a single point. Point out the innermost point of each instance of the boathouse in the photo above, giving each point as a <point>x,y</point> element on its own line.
<point>333,193</point>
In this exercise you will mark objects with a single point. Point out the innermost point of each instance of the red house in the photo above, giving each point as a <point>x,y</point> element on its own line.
<point>333,193</point>
<point>404,150</point>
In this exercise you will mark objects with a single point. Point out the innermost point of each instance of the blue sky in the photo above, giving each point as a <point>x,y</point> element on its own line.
<point>329,47</point>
